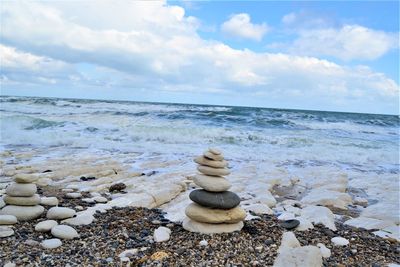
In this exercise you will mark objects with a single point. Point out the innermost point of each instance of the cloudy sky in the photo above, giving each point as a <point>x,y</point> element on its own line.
<point>341,56</point>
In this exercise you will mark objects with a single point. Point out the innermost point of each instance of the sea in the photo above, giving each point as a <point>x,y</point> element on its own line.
<point>363,145</point>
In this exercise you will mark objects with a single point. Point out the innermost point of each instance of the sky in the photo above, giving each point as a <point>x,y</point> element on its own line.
<point>317,55</point>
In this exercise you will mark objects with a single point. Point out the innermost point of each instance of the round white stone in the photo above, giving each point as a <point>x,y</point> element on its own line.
<point>25,178</point>
<point>212,183</point>
<point>59,213</point>
<point>51,243</point>
<point>73,195</point>
<point>21,190</point>
<point>23,213</point>
<point>162,234</point>
<point>6,231</point>
<point>340,241</point>
<point>45,226</point>
<point>64,232</point>
<point>8,219</point>
<point>49,201</point>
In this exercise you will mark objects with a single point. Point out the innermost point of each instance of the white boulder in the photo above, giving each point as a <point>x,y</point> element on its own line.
<point>318,214</point>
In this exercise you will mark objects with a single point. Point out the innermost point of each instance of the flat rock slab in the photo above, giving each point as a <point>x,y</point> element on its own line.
<point>208,228</point>
<point>208,215</point>
<point>23,213</point>
<point>223,200</point>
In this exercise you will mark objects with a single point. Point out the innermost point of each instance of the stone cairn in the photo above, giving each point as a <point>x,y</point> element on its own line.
<point>215,210</point>
<point>21,198</point>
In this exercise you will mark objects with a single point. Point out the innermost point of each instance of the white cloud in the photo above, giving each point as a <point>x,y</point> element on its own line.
<point>348,42</point>
<point>240,26</point>
<point>154,46</point>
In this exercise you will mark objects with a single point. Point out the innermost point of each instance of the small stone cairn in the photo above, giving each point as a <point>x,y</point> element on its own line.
<point>21,198</point>
<point>215,210</point>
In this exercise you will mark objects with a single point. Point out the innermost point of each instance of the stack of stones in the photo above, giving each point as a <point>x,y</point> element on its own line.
<point>215,210</point>
<point>21,198</point>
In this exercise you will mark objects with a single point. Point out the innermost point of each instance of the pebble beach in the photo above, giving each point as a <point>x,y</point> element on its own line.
<point>77,192</point>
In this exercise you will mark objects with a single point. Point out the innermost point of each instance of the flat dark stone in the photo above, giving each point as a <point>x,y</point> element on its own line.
<point>221,200</point>
<point>290,224</point>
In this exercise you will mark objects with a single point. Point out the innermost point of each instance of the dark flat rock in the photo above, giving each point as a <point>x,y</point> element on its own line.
<point>290,224</point>
<point>220,200</point>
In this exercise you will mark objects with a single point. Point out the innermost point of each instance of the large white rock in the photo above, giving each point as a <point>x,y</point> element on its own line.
<point>161,234</point>
<point>339,241</point>
<point>8,219</point>
<point>25,178</point>
<point>212,183</point>
<point>259,209</point>
<point>49,201</point>
<point>6,231</point>
<point>208,228</point>
<point>368,223</point>
<point>64,232</point>
<point>51,243</point>
<point>304,224</point>
<point>23,213</point>
<point>21,190</point>
<point>318,214</point>
<point>266,198</point>
<point>309,256</point>
<point>208,215</point>
<point>289,240</point>
<point>383,211</point>
<point>22,201</point>
<point>59,213</point>
<point>330,198</point>
<point>45,226</point>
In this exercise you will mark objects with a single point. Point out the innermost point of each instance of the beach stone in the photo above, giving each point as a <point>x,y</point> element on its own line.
<point>213,156</point>
<point>88,200</point>
<point>304,225</point>
<point>325,252</point>
<point>51,243</point>
<point>328,198</point>
<point>211,163</point>
<point>208,228</point>
<point>49,201</point>
<point>340,241</point>
<point>117,187</point>
<point>203,243</point>
<point>80,219</point>
<point>73,195</point>
<point>222,200</point>
<point>318,214</point>
<point>8,219</point>
<point>22,201</point>
<point>21,190</point>
<point>59,213</point>
<point>259,209</point>
<point>161,234</point>
<point>6,231</point>
<point>24,178</point>
<point>212,183</point>
<point>290,224</point>
<point>100,199</point>
<point>23,213</point>
<point>215,151</point>
<point>64,232</point>
<point>309,256</point>
<point>2,203</point>
<point>289,240</point>
<point>45,226</point>
<point>207,215</point>
<point>213,171</point>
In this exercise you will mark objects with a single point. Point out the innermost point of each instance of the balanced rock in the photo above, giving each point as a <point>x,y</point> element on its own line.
<point>207,215</point>
<point>23,213</point>
<point>21,190</point>
<point>24,178</point>
<point>22,201</point>
<point>45,226</point>
<point>209,228</point>
<point>213,171</point>
<point>222,200</point>
<point>211,183</point>
<point>213,156</point>
<point>211,163</point>
<point>64,232</point>
<point>59,213</point>
<point>8,219</point>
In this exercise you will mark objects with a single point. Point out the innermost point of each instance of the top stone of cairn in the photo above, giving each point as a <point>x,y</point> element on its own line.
<point>214,151</point>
